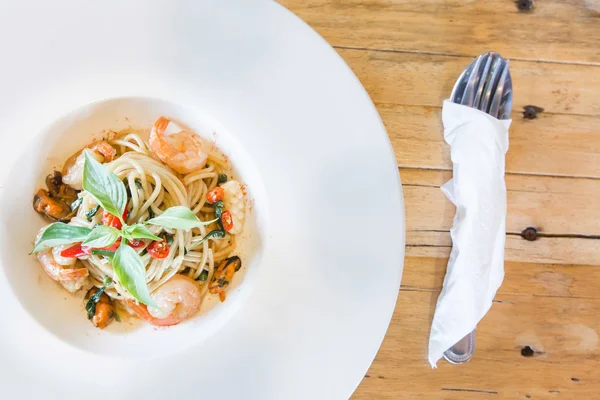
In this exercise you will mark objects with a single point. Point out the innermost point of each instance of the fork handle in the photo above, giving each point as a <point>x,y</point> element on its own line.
<point>462,351</point>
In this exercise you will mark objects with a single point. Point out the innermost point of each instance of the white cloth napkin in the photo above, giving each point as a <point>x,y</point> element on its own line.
<point>477,189</point>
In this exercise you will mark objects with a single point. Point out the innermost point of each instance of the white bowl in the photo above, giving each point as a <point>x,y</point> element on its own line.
<point>63,314</point>
<point>319,301</point>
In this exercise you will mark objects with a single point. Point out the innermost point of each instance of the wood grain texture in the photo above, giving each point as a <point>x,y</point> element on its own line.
<point>552,144</point>
<point>556,30</point>
<point>548,250</point>
<point>549,280</point>
<point>562,332</point>
<point>555,205</point>
<point>428,79</point>
<point>408,55</point>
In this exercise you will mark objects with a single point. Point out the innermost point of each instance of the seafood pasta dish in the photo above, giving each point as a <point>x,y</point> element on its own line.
<point>145,225</point>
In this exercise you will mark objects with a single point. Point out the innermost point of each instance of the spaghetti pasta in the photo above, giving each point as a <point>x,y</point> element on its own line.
<point>153,186</point>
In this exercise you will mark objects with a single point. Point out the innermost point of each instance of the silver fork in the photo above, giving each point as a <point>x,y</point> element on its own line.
<point>487,86</point>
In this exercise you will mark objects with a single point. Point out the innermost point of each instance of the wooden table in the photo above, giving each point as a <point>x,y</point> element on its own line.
<point>408,54</point>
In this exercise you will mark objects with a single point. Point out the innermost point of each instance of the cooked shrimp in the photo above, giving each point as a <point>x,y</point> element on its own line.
<point>72,172</point>
<point>105,311</point>
<point>178,299</point>
<point>223,275</point>
<point>234,202</point>
<point>183,151</point>
<point>64,261</point>
<point>71,279</point>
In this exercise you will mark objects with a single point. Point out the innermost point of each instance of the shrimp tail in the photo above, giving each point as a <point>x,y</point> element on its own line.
<point>72,274</point>
<point>161,125</point>
<point>157,141</point>
<point>142,311</point>
<point>105,149</point>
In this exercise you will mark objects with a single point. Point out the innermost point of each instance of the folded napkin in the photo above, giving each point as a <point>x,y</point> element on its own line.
<point>477,189</point>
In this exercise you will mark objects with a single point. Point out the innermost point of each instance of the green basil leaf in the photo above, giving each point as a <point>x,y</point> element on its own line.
<point>178,217</point>
<point>105,253</point>
<point>102,236</point>
<point>170,239</point>
<point>203,276</point>
<point>138,231</point>
<point>218,208</point>
<point>216,234</point>
<point>104,186</point>
<point>90,306</point>
<point>129,268</point>
<point>91,212</point>
<point>218,213</point>
<point>127,189</point>
<point>75,205</point>
<point>60,233</point>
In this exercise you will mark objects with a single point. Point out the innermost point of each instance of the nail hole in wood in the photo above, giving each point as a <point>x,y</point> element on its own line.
<point>531,112</point>
<point>524,5</point>
<point>528,396</point>
<point>527,351</point>
<point>529,233</point>
<point>575,379</point>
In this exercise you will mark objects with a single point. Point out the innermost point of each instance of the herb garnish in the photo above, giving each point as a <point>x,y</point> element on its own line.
<point>91,212</point>
<point>93,300</point>
<point>75,205</point>
<point>109,192</point>
<point>217,233</point>
<point>203,276</point>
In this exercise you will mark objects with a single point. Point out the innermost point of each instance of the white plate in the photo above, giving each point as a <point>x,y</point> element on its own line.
<point>328,232</point>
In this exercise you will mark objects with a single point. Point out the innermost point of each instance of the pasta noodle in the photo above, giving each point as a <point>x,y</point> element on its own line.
<point>153,187</point>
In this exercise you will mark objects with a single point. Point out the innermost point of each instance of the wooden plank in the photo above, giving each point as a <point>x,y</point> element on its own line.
<point>547,250</point>
<point>557,206</point>
<point>521,279</point>
<point>564,210</point>
<point>562,332</point>
<point>566,31</point>
<point>565,145</point>
<point>427,79</point>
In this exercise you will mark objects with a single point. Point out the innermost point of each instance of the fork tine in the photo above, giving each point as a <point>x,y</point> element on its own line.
<point>491,84</point>
<point>506,101</point>
<point>499,92</point>
<point>469,93</point>
<point>483,81</point>
<point>459,86</point>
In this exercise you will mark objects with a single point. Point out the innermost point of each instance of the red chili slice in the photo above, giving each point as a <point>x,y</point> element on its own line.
<point>78,250</point>
<point>158,249</point>
<point>215,194</point>
<point>227,220</point>
<point>110,220</point>
<point>136,243</point>
<point>75,251</point>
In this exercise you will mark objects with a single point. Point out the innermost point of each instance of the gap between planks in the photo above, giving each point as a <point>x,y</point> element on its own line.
<point>439,108</point>
<point>542,175</point>
<point>468,56</point>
